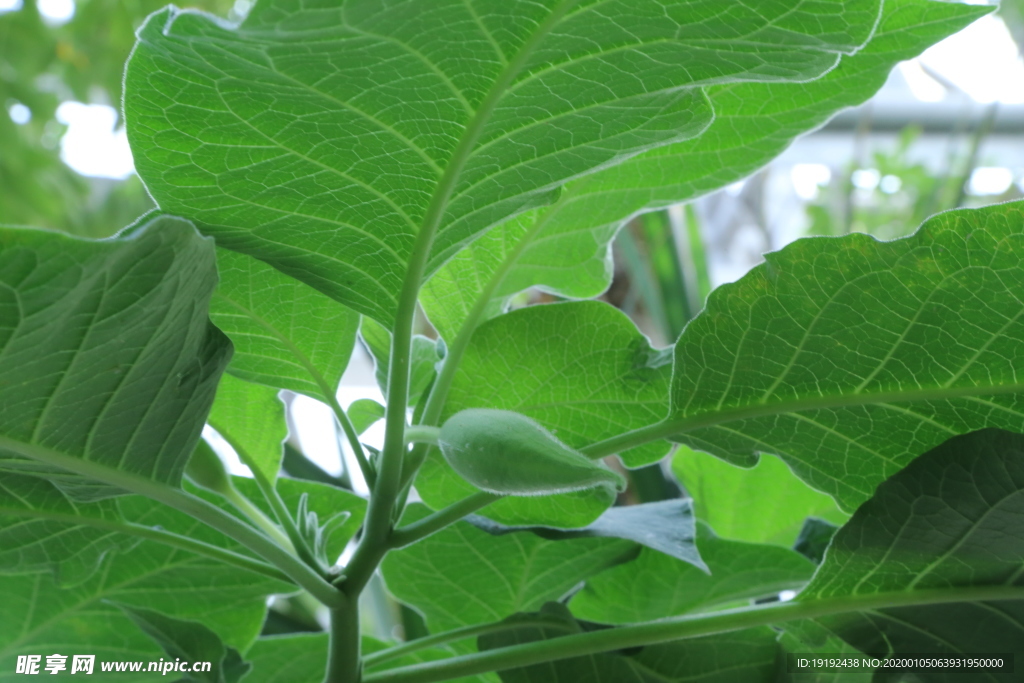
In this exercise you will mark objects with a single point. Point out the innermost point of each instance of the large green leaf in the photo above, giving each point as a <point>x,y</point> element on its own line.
<point>749,656</point>
<point>107,357</point>
<point>323,139</point>
<point>38,616</point>
<point>462,575</point>
<point>39,530</point>
<point>565,247</point>
<point>764,504</point>
<point>655,585</point>
<point>951,519</point>
<point>251,418</point>
<point>286,334</point>
<point>848,357</point>
<point>580,369</point>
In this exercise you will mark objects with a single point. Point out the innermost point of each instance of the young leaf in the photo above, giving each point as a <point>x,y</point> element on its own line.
<point>764,504</point>
<point>111,350</point>
<point>286,334</point>
<point>748,656</point>
<point>950,520</point>
<point>507,453</point>
<point>564,248</point>
<point>847,357</point>
<point>192,642</point>
<point>424,359</point>
<point>582,370</point>
<point>462,575</point>
<point>655,585</point>
<point>364,413</point>
<point>428,116</point>
<point>250,417</point>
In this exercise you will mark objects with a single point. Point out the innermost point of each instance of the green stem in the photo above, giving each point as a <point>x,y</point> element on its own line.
<point>161,536</point>
<point>284,518</point>
<point>353,440</point>
<point>344,663</point>
<point>397,651</point>
<point>677,628</point>
<point>256,516</point>
<point>389,484</point>
<point>637,437</point>
<point>431,524</point>
<point>422,434</point>
<point>195,507</point>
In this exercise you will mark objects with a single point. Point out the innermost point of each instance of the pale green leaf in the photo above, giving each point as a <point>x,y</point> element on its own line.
<point>580,369</point>
<point>364,413</point>
<point>462,575</point>
<point>251,418</point>
<point>424,359</point>
<point>667,526</point>
<point>322,139</point>
<point>286,334</point>
<point>655,585</point>
<point>951,520</point>
<point>107,356</point>
<point>565,248</point>
<point>764,504</point>
<point>848,357</point>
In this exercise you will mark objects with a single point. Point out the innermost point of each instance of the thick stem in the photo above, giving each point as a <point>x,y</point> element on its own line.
<point>344,662</point>
<point>675,629</point>
<point>397,651</point>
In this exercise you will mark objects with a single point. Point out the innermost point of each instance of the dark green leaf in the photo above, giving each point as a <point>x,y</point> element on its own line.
<point>192,642</point>
<point>748,656</point>
<point>814,539</point>
<point>667,526</point>
<point>565,248</point>
<point>764,504</point>
<point>580,369</point>
<point>656,585</point>
<point>106,352</point>
<point>323,139</point>
<point>952,519</point>
<point>286,334</point>
<point>462,575</point>
<point>847,357</point>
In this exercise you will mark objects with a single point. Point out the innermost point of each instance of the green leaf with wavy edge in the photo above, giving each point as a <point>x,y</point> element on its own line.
<point>37,616</point>
<point>364,413</point>
<point>655,585</point>
<point>191,642</point>
<point>748,655</point>
<point>580,369</point>
<point>286,334</point>
<point>251,418</point>
<point>565,248</point>
<point>951,519</point>
<point>462,575</point>
<point>343,132</point>
<point>847,357</point>
<point>106,352</point>
<point>764,504</point>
